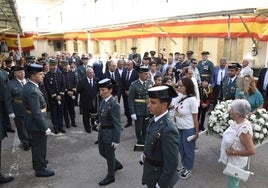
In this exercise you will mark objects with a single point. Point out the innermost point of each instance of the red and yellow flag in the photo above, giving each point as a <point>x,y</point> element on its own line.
<point>26,41</point>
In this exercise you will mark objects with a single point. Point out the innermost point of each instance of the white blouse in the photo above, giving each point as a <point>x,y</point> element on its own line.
<point>183,111</point>
<point>231,138</point>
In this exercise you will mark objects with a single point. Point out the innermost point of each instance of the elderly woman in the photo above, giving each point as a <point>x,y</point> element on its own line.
<point>246,88</point>
<point>186,119</point>
<point>237,142</point>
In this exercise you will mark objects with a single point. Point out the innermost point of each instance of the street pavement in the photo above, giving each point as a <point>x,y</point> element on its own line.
<point>77,164</point>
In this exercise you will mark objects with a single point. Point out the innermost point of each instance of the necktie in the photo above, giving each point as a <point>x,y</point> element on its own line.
<point>113,76</point>
<point>144,84</point>
<point>90,82</point>
<point>230,81</point>
<point>22,83</point>
<point>127,78</point>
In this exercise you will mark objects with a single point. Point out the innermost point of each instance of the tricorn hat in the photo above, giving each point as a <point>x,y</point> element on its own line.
<point>205,53</point>
<point>162,92</point>
<point>142,68</point>
<point>17,68</point>
<point>234,66</point>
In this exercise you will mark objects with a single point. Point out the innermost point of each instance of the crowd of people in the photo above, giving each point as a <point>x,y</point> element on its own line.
<point>70,81</point>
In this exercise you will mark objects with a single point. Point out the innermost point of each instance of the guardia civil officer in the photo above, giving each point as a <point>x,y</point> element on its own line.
<point>137,101</point>
<point>36,120</point>
<point>14,105</point>
<point>55,87</point>
<point>69,96</point>
<point>160,157</point>
<point>109,128</point>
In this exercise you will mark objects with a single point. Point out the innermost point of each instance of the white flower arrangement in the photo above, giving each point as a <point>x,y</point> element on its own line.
<point>219,121</point>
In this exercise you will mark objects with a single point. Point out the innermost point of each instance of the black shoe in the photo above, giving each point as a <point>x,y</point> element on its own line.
<point>96,142</point>
<point>56,131</point>
<point>106,181</point>
<point>88,130</point>
<point>128,125</point>
<point>26,147</point>
<point>10,130</point>
<point>6,179</point>
<point>45,173</point>
<point>68,126</point>
<point>118,166</point>
<point>74,125</point>
<point>62,130</point>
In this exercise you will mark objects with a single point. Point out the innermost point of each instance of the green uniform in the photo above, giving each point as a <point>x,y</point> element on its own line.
<point>36,122</point>
<point>15,105</point>
<point>137,101</point>
<point>110,130</point>
<point>206,69</point>
<point>161,153</point>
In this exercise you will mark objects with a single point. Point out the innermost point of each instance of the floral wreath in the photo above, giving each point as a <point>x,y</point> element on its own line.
<point>220,120</point>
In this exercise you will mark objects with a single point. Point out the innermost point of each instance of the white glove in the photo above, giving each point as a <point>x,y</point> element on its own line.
<point>48,131</point>
<point>133,116</point>
<point>11,115</point>
<point>115,145</point>
<point>157,186</point>
<point>142,158</point>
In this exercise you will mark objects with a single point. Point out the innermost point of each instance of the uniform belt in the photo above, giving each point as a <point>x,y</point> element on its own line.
<point>107,127</point>
<point>141,100</point>
<point>42,110</point>
<point>17,101</point>
<point>154,162</point>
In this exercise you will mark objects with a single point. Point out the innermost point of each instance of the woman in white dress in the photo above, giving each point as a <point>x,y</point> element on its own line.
<point>237,143</point>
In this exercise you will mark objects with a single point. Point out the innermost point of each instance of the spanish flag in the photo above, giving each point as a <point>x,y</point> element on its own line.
<point>26,41</point>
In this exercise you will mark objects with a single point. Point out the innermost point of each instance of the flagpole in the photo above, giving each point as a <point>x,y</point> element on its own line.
<point>19,44</point>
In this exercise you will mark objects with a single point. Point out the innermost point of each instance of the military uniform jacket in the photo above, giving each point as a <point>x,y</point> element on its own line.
<point>161,144</point>
<point>138,98</point>
<point>206,69</point>
<point>228,90</point>
<point>14,102</point>
<point>70,81</point>
<point>34,101</point>
<point>81,72</point>
<point>54,84</point>
<point>109,116</point>
<point>3,83</point>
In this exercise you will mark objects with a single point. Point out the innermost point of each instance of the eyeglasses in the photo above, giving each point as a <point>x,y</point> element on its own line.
<point>194,62</point>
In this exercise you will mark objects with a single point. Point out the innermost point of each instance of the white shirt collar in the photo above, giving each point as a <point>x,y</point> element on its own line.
<point>106,99</point>
<point>34,83</point>
<point>156,118</point>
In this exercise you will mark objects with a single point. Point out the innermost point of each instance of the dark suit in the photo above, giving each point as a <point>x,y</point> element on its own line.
<point>138,101</point>
<point>160,165</point>
<point>217,89</point>
<point>264,91</point>
<point>120,84</point>
<point>110,130</point>
<point>3,86</point>
<point>69,101</point>
<point>55,85</point>
<point>37,124</point>
<point>125,88</point>
<point>118,80</point>
<point>229,89</point>
<point>15,105</point>
<point>88,101</point>
<point>98,69</point>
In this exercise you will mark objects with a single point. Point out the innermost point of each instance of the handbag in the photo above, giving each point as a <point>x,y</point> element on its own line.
<point>236,172</point>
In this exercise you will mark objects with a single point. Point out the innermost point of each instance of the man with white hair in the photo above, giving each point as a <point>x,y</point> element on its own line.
<point>246,70</point>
